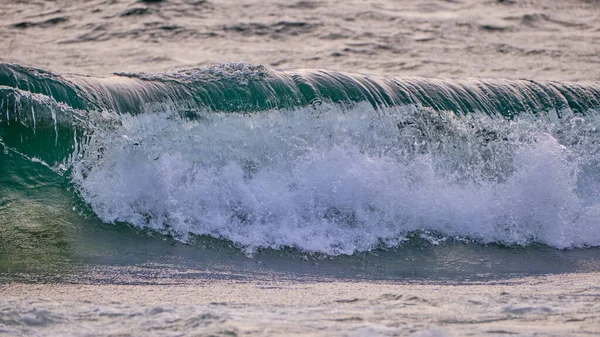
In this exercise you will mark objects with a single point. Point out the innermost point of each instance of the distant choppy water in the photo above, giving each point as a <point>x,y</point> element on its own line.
<point>534,39</point>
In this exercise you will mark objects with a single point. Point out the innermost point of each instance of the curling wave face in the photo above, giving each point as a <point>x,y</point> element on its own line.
<point>321,161</point>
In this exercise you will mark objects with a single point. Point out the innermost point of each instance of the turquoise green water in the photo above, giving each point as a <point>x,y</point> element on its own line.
<point>236,168</point>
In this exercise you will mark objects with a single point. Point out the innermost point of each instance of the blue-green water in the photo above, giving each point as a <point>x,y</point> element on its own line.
<point>306,172</point>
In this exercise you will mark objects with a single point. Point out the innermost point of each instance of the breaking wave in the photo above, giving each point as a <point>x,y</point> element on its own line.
<point>321,161</point>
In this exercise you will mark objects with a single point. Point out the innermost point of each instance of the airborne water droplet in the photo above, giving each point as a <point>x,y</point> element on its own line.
<point>34,121</point>
<point>53,113</point>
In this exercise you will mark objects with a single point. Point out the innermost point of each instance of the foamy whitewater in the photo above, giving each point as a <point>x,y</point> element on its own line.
<point>337,181</point>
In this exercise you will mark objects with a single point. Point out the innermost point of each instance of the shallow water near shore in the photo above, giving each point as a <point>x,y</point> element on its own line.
<point>552,305</point>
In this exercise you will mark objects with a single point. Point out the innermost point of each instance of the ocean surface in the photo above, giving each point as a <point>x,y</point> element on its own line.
<point>386,168</point>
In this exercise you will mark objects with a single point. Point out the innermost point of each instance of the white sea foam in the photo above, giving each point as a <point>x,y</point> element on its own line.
<point>340,180</point>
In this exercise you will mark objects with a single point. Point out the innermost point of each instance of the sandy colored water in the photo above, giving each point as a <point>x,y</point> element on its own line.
<point>539,39</point>
<point>556,305</point>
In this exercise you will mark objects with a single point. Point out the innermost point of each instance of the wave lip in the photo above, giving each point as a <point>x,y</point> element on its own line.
<point>247,88</point>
